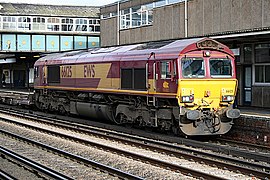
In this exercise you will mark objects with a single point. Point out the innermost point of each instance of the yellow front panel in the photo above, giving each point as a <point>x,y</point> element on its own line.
<point>207,92</point>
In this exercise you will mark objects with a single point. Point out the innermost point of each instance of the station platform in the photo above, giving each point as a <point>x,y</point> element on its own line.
<point>247,110</point>
<point>16,96</point>
<point>21,90</point>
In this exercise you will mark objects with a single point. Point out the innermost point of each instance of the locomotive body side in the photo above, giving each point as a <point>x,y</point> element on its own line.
<point>142,86</point>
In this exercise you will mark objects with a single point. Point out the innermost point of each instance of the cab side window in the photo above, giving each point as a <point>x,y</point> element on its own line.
<point>167,69</point>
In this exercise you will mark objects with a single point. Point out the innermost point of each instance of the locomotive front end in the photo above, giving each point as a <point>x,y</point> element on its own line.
<point>207,90</point>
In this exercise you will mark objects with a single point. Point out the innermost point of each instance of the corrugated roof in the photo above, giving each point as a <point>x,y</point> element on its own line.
<point>48,10</point>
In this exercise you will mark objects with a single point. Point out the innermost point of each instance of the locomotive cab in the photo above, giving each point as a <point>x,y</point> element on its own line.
<point>207,89</point>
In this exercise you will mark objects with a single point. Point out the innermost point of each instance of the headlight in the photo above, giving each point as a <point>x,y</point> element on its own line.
<point>227,98</point>
<point>186,99</point>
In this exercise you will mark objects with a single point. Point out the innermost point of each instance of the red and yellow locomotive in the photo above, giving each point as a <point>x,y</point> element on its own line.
<point>186,86</point>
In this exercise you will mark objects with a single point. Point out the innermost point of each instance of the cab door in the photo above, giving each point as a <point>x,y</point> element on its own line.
<point>166,76</point>
<point>44,75</point>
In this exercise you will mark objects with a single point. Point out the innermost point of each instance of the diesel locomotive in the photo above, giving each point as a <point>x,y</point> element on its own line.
<point>185,86</point>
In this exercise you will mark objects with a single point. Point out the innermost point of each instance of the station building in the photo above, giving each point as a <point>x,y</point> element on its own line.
<point>243,25</point>
<point>29,31</point>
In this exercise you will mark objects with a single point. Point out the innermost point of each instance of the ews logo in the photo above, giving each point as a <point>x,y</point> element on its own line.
<point>89,70</point>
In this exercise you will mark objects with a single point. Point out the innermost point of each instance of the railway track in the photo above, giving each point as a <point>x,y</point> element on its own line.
<point>37,169</point>
<point>35,150</point>
<point>245,167</point>
<point>243,145</point>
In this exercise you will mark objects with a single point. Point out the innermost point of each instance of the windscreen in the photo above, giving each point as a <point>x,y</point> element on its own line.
<point>220,67</point>
<point>193,67</point>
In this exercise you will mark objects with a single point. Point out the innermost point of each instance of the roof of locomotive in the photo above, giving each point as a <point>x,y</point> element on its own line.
<point>136,52</point>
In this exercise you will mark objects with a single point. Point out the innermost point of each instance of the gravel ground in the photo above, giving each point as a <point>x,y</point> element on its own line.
<point>61,164</point>
<point>125,164</point>
<point>16,170</point>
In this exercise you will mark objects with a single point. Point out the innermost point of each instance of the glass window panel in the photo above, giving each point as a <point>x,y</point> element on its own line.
<point>174,1</point>
<point>165,71</point>
<point>127,21</point>
<point>248,53</point>
<point>267,74</point>
<point>67,27</point>
<point>262,53</point>
<point>147,6</point>
<point>136,9</point>
<point>136,19</point>
<point>97,28</point>
<point>144,19</point>
<point>150,17</point>
<point>104,16</point>
<point>123,22</point>
<point>220,67</point>
<point>248,76</point>
<point>91,28</point>
<point>5,25</point>
<point>160,3</point>
<point>125,11</point>
<point>259,74</point>
<point>114,14</point>
<point>193,67</point>
<point>248,96</point>
<point>53,27</point>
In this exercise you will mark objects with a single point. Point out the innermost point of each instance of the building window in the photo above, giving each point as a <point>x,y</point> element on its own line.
<point>247,53</point>
<point>136,16</point>
<point>24,23</point>
<point>39,24</point>
<point>105,16</point>
<point>262,53</point>
<point>94,25</point>
<point>160,3</point>
<point>262,63</point>
<point>67,24</point>
<point>174,1</point>
<point>81,25</point>
<point>53,24</point>
<point>125,19</point>
<point>9,23</point>
<point>262,73</point>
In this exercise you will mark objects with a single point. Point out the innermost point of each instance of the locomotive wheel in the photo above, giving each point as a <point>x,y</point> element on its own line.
<point>176,130</point>
<point>62,110</point>
<point>120,118</point>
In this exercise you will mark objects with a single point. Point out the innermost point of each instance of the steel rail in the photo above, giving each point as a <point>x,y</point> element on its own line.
<point>156,162</point>
<point>174,150</point>
<point>184,141</point>
<point>162,147</point>
<point>34,165</point>
<point>182,169</point>
<point>249,145</point>
<point>4,175</point>
<point>106,168</point>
